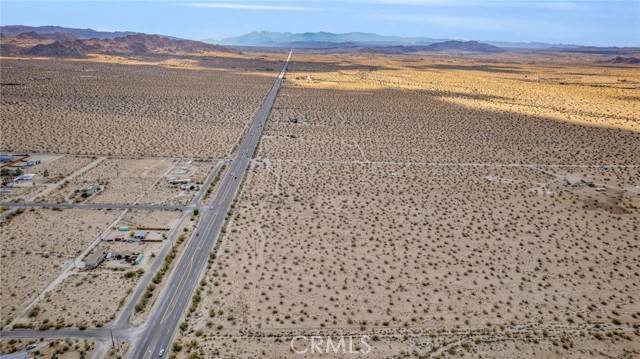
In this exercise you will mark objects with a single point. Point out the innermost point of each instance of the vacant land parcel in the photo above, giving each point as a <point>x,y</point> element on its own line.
<point>37,175</point>
<point>82,290</point>
<point>115,181</point>
<point>456,111</point>
<point>431,225</point>
<point>38,245</point>
<point>91,107</point>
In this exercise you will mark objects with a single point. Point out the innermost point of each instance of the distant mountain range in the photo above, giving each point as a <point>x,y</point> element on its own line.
<point>356,41</point>
<point>61,41</point>
<point>395,44</point>
<point>471,46</point>
<point>444,46</point>
<point>55,41</point>
<point>623,60</point>
<point>14,30</point>
<point>312,39</point>
<point>278,39</point>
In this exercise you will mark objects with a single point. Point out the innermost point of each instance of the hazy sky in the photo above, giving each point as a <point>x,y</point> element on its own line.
<point>578,22</point>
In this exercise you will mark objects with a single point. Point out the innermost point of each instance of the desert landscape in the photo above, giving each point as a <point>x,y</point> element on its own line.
<point>201,114</point>
<point>92,298</point>
<point>48,349</point>
<point>418,110</point>
<point>426,203</point>
<point>164,197</point>
<point>37,246</point>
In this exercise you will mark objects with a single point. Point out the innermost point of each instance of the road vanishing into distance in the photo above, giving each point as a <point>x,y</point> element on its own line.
<point>158,331</point>
<point>176,296</point>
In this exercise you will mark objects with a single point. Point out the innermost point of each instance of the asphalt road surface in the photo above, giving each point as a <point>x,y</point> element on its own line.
<point>176,296</point>
<point>122,320</point>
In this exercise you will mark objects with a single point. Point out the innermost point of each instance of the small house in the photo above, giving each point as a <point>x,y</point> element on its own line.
<point>31,163</point>
<point>130,257</point>
<point>94,188</point>
<point>27,163</point>
<point>28,177</point>
<point>576,180</point>
<point>573,180</point>
<point>7,158</point>
<point>93,260</point>
<point>177,181</point>
<point>138,259</point>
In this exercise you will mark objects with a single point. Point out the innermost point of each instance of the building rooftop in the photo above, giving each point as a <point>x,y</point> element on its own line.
<point>25,177</point>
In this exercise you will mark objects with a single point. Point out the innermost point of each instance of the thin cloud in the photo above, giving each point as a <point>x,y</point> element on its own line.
<point>254,7</point>
<point>460,22</point>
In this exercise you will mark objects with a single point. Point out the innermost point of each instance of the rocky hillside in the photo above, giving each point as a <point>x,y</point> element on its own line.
<point>623,60</point>
<point>14,30</point>
<point>63,44</point>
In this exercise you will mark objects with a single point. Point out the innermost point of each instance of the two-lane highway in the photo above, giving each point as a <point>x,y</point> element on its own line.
<point>176,296</point>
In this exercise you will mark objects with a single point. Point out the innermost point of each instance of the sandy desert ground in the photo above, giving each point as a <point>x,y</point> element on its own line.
<point>423,202</point>
<point>59,167</point>
<point>144,306</point>
<point>50,172</point>
<point>37,245</point>
<point>421,110</point>
<point>84,299</point>
<point>433,196</point>
<point>24,191</point>
<point>532,343</point>
<point>362,247</point>
<point>92,298</point>
<point>166,193</point>
<point>153,219</point>
<point>46,349</point>
<point>122,181</point>
<point>60,106</point>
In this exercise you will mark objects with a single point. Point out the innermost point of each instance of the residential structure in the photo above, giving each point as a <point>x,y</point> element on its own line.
<point>93,260</point>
